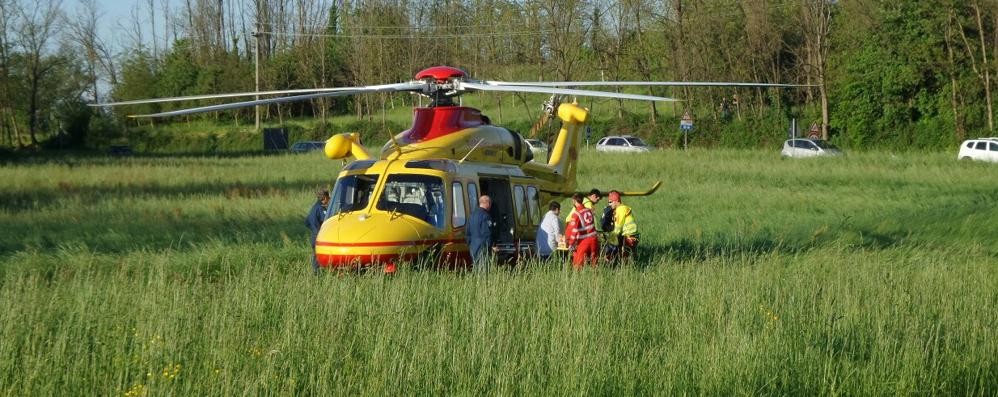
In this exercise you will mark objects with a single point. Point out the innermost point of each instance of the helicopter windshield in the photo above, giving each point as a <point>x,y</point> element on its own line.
<point>352,193</point>
<point>419,196</point>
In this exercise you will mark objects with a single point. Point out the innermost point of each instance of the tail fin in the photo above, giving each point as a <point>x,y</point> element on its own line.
<point>565,152</point>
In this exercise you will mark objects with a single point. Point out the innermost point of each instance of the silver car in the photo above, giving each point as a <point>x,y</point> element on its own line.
<point>307,146</point>
<point>804,147</point>
<point>537,146</point>
<point>624,143</point>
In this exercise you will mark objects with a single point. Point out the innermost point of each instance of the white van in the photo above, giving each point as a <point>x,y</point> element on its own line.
<point>983,149</point>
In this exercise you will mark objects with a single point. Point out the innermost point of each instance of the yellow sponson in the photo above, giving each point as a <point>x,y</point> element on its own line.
<point>342,145</point>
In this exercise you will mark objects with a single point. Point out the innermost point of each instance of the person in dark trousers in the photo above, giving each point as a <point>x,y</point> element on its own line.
<point>549,233</point>
<point>314,221</point>
<point>479,234</point>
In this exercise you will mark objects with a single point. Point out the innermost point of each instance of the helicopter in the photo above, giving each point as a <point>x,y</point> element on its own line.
<point>412,201</point>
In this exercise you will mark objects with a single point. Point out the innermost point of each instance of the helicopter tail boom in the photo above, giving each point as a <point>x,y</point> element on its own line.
<point>565,152</point>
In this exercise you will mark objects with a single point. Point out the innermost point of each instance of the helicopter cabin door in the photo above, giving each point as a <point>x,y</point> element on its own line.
<point>503,218</point>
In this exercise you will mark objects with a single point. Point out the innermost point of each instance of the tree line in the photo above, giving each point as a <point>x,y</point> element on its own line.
<point>915,73</point>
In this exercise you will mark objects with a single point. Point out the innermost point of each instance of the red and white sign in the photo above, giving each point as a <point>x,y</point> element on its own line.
<point>815,132</point>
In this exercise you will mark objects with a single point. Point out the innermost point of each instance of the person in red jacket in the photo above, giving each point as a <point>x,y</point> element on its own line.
<point>580,234</point>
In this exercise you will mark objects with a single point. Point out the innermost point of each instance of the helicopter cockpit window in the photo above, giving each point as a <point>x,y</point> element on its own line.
<point>352,193</point>
<point>419,196</point>
<point>359,164</point>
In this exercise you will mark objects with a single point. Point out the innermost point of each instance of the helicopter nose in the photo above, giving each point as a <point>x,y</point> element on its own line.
<point>358,240</point>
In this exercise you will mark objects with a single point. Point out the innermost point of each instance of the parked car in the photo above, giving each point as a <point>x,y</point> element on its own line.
<point>307,146</point>
<point>804,147</point>
<point>983,149</point>
<point>120,150</point>
<point>536,145</point>
<point>624,143</point>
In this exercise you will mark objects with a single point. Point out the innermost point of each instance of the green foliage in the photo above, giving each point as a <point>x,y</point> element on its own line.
<point>139,80</point>
<point>892,89</point>
<point>900,74</point>
<point>178,75</point>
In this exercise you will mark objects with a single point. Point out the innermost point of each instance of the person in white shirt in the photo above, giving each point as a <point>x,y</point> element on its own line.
<point>549,232</point>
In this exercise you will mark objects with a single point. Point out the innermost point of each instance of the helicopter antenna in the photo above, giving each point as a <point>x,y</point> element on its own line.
<point>395,142</point>
<point>470,151</point>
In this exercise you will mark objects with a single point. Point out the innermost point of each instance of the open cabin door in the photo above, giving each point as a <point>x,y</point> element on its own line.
<point>503,218</point>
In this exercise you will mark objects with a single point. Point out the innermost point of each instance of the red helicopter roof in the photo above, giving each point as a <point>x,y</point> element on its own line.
<point>429,123</point>
<point>440,73</point>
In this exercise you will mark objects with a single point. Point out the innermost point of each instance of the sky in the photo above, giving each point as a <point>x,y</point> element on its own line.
<point>119,17</point>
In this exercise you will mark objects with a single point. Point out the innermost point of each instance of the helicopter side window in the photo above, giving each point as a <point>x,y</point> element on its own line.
<point>419,196</point>
<point>518,201</point>
<point>459,216</point>
<point>473,195</point>
<point>535,210</point>
<point>352,193</point>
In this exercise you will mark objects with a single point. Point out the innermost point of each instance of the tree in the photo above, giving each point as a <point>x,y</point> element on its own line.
<point>7,122</point>
<point>816,19</point>
<point>83,32</point>
<point>39,25</point>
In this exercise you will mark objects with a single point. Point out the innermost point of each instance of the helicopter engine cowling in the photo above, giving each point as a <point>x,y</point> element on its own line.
<point>457,132</point>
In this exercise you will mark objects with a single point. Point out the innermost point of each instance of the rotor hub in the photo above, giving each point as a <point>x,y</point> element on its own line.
<point>441,74</point>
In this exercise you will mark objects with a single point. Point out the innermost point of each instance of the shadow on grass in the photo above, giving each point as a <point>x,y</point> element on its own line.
<point>128,234</point>
<point>55,197</point>
<point>93,157</point>
<point>721,246</point>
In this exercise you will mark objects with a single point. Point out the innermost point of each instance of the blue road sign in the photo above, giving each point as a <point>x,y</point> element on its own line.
<point>686,122</point>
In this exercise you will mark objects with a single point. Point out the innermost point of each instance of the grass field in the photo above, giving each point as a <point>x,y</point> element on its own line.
<point>872,274</point>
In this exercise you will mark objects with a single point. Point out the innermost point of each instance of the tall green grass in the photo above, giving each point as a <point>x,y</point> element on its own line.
<point>869,274</point>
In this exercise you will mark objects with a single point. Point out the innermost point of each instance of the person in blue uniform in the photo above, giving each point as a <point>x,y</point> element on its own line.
<point>314,221</point>
<point>479,234</point>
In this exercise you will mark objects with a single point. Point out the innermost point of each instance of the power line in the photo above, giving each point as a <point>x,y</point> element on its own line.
<point>414,35</point>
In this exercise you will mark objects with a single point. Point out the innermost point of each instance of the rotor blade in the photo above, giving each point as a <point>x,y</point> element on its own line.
<point>642,83</point>
<point>412,86</point>
<point>644,193</point>
<point>562,91</point>
<point>229,95</point>
<point>622,194</point>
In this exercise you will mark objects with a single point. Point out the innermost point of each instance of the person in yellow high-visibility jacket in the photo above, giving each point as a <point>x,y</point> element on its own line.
<point>625,229</point>
<point>589,202</point>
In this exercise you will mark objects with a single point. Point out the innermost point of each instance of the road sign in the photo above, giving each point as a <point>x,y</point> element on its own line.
<point>686,122</point>
<point>814,132</point>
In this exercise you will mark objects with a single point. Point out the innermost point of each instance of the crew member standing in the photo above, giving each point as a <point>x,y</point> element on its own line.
<point>549,232</point>
<point>625,229</point>
<point>479,234</point>
<point>580,234</point>
<point>314,221</point>
<point>589,201</point>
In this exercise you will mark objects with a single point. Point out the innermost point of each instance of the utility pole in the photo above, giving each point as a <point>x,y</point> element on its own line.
<point>256,67</point>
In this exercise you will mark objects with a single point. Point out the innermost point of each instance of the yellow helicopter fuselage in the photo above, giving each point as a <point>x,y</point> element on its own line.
<point>413,202</point>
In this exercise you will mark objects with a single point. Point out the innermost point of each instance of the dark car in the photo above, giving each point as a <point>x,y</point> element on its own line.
<point>307,146</point>
<point>120,150</point>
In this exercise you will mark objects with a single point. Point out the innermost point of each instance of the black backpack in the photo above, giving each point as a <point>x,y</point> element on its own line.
<point>606,221</point>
